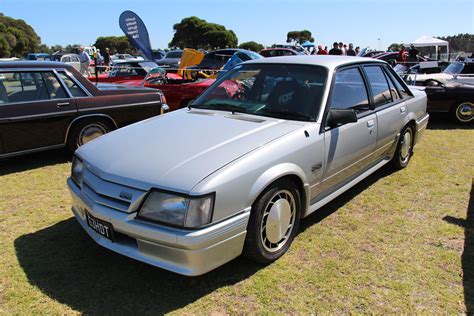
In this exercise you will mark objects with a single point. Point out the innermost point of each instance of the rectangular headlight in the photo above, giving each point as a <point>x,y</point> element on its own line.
<point>183,211</point>
<point>76,170</point>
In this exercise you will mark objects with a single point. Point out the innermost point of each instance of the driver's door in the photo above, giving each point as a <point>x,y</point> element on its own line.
<point>348,148</point>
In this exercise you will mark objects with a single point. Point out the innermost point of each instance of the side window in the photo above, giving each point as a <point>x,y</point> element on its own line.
<point>22,87</point>
<point>75,90</point>
<point>349,91</point>
<point>379,85</point>
<point>54,88</point>
<point>396,80</point>
<point>393,90</point>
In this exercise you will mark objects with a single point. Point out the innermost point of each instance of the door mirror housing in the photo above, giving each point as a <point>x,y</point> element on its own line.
<point>339,117</point>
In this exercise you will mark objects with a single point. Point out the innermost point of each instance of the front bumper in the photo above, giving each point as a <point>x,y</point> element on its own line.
<point>421,125</point>
<point>188,252</point>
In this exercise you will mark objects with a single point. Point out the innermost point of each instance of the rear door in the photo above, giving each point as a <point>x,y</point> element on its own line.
<point>389,105</point>
<point>35,110</point>
<point>348,148</point>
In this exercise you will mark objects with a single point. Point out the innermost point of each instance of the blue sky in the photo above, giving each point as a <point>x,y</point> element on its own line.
<point>361,22</point>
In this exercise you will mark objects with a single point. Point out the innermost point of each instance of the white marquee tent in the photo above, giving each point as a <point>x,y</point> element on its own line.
<point>426,41</point>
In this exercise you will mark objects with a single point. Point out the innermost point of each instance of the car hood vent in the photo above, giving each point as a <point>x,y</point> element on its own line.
<point>201,112</point>
<point>246,118</point>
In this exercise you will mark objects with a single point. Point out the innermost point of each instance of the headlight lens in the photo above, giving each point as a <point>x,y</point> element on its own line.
<point>76,170</point>
<point>177,210</point>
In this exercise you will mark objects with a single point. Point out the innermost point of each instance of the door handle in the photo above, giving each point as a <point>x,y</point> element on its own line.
<point>370,124</point>
<point>403,110</point>
<point>63,103</point>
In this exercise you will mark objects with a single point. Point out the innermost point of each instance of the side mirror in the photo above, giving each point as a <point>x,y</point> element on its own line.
<point>164,108</point>
<point>338,117</point>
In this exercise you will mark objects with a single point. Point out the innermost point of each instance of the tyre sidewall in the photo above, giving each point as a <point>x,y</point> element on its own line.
<point>256,217</point>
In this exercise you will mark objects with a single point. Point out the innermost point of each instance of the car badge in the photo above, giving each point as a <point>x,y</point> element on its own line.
<point>126,196</point>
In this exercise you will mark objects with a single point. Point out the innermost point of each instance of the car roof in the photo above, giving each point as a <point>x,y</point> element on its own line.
<point>33,64</point>
<point>328,61</point>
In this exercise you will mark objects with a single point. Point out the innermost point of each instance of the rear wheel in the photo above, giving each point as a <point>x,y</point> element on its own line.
<point>86,130</point>
<point>462,113</point>
<point>404,149</point>
<point>273,222</point>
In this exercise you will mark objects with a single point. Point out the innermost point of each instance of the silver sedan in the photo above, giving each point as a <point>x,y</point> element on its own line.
<point>270,142</point>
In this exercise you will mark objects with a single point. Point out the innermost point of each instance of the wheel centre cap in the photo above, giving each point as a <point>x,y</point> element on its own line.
<point>278,220</point>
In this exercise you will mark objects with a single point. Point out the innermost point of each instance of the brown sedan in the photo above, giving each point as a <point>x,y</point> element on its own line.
<point>45,105</point>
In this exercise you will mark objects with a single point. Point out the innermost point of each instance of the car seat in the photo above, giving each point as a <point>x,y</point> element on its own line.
<point>285,95</point>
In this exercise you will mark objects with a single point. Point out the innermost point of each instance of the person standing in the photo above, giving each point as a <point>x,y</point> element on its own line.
<point>85,61</point>
<point>357,50</point>
<point>335,49</point>
<point>402,55</point>
<point>412,54</point>
<point>106,59</point>
<point>341,47</point>
<point>351,51</point>
<point>321,51</point>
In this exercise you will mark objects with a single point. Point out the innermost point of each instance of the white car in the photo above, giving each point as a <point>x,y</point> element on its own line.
<point>461,72</point>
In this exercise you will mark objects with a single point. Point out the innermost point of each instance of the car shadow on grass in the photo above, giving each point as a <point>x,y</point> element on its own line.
<point>441,121</point>
<point>33,161</point>
<point>467,258</point>
<point>65,264</point>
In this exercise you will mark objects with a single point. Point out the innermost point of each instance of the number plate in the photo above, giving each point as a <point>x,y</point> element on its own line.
<point>100,227</point>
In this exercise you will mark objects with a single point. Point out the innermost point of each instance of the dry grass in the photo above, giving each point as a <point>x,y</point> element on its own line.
<point>397,243</point>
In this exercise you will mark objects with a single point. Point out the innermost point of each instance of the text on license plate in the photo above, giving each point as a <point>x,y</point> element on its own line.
<point>100,227</point>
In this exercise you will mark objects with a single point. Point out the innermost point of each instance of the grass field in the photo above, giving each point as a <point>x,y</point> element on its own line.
<point>399,242</point>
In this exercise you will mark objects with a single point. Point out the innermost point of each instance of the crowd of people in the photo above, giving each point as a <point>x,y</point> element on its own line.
<point>337,49</point>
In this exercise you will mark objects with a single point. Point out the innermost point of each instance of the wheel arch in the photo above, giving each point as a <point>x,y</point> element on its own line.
<point>88,116</point>
<point>276,173</point>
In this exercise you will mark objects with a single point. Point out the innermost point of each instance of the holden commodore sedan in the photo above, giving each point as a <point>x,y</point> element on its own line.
<point>236,170</point>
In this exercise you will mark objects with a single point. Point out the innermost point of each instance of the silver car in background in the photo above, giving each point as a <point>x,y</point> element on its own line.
<point>267,144</point>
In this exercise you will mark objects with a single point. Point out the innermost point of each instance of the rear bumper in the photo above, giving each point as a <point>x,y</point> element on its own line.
<point>188,252</point>
<point>421,125</point>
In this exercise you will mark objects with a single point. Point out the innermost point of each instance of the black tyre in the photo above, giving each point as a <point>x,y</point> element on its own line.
<point>274,222</point>
<point>86,130</point>
<point>404,149</point>
<point>462,113</point>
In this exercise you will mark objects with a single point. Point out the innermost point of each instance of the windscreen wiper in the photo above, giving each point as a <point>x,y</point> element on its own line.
<point>222,107</point>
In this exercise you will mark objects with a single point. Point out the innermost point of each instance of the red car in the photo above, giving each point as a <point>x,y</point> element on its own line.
<point>180,92</point>
<point>275,52</point>
<point>127,72</point>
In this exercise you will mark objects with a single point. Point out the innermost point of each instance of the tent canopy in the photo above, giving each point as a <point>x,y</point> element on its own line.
<point>425,41</point>
<point>307,44</point>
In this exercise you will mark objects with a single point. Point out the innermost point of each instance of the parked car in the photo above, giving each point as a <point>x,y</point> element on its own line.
<point>454,98</point>
<point>276,52</point>
<point>71,59</point>
<point>194,188</point>
<point>45,105</point>
<point>130,72</point>
<point>171,59</point>
<point>458,71</point>
<point>38,56</point>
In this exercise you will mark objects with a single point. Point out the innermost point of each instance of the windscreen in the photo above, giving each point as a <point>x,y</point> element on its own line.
<point>291,92</point>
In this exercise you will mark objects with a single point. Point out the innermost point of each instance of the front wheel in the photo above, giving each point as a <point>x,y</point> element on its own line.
<point>274,222</point>
<point>461,113</point>
<point>404,149</point>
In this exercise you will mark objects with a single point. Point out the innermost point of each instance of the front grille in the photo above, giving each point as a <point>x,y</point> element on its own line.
<point>107,193</point>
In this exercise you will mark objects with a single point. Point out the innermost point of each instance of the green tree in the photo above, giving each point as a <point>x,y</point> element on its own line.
<point>118,44</point>
<point>460,42</point>
<point>299,36</point>
<point>17,38</point>
<point>395,47</point>
<point>253,46</point>
<point>194,32</point>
